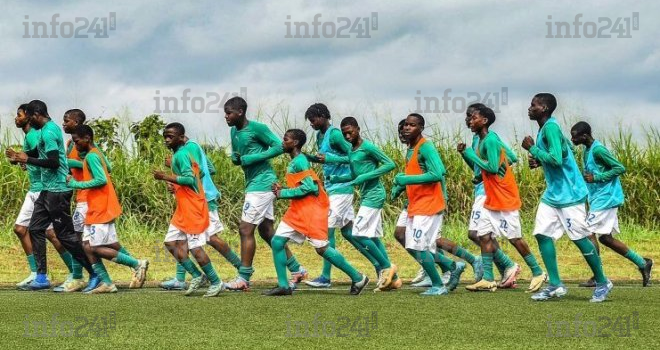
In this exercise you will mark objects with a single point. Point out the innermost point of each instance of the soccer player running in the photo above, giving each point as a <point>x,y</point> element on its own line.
<point>30,142</point>
<point>253,145</point>
<point>368,163</point>
<point>500,214</point>
<point>562,208</point>
<point>306,218</point>
<point>422,181</point>
<point>212,195</point>
<point>507,268</point>
<point>103,209</point>
<point>53,206</point>
<point>187,231</point>
<point>333,154</point>
<point>601,172</point>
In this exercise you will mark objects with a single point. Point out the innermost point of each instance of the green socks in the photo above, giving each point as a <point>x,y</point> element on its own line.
<point>233,259</point>
<point>124,251</point>
<point>440,252</point>
<point>126,260</point>
<point>444,262</point>
<point>503,258</point>
<point>533,265</point>
<point>180,272</point>
<point>465,255</point>
<point>630,255</point>
<point>593,259</point>
<point>549,256</point>
<point>246,272</point>
<point>68,260</point>
<point>487,260</point>
<point>425,258</point>
<point>292,264</point>
<point>279,258</point>
<point>347,232</point>
<point>210,273</point>
<point>100,271</point>
<point>191,268</point>
<point>338,260</point>
<point>374,252</point>
<point>327,266</point>
<point>32,263</point>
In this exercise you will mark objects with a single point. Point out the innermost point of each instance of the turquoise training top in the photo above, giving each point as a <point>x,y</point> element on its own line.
<point>565,185</point>
<point>332,169</point>
<point>606,191</point>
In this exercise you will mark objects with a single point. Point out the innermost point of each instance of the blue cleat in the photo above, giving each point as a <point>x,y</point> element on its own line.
<point>36,285</point>
<point>550,291</point>
<point>478,267</point>
<point>436,291</point>
<point>173,284</point>
<point>455,276</point>
<point>319,282</point>
<point>94,282</point>
<point>601,291</point>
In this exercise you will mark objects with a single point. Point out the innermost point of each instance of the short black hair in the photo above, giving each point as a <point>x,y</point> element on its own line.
<point>83,130</point>
<point>237,103</point>
<point>582,128</point>
<point>419,117</point>
<point>484,111</point>
<point>298,135</point>
<point>317,110</point>
<point>547,99</point>
<point>473,107</point>
<point>401,124</point>
<point>37,107</point>
<point>76,114</point>
<point>23,107</point>
<point>180,129</point>
<point>349,121</point>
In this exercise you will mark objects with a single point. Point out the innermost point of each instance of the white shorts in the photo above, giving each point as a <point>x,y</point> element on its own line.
<point>286,231</point>
<point>194,241</point>
<point>402,220</point>
<point>258,206</point>
<point>100,234</point>
<point>341,210</point>
<point>215,225</point>
<point>79,215</point>
<point>422,232</point>
<point>477,211</point>
<point>553,222</point>
<point>369,223</point>
<point>604,222</point>
<point>501,223</point>
<point>25,214</point>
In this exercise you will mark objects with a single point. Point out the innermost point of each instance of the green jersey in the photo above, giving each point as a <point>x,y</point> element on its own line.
<point>255,144</point>
<point>53,180</point>
<point>308,186</point>
<point>34,172</point>
<point>182,168</point>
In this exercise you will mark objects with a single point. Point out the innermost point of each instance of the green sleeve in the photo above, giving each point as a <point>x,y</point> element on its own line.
<point>182,167</point>
<point>510,154</point>
<point>210,166</point>
<point>74,163</point>
<point>467,161</point>
<point>605,158</point>
<point>338,142</point>
<point>98,174</point>
<point>234,157</point>
<point>307,185</point>
<point>267,137</point>
<point>386,164</point>
<point>435,170</point>
<point>492,148</point>
<point>553,137</point>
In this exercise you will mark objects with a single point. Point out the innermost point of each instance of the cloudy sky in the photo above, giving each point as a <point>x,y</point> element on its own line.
<point>413,52</point>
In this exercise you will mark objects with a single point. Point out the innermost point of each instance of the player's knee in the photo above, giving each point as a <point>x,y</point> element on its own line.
<point>278,243</point>
<point>321,250</point>
<point>50,235</point>
<point>605,239</point>
<point>20,231</point>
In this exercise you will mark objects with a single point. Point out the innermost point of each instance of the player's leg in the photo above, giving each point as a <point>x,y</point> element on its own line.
<point>278,246</point>
<point>421,236</point>
<point>358,280</point>
<point>487,283</point>
<point>196,245</point>
<point>367,228</point>
<point>39,222</point>
<point>547,229</point>
<point>338,214</point>
<point>298,272</point>
<point>460,252</point>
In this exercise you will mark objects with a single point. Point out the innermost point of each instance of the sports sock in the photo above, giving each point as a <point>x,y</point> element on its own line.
<point>374,252</point>
<point>123,250</point>
<point>279,259</point>
<point>487,259</point>
<point>549,256</point>
<point>533,265</point>
<point>191,268</point>
<point>630,255</point>
<point>465,255</point>
<point>100,271</point>
<point>426,259</point>
<point>443,261</point>
<point>246,272</point>
<point>180,272</point>
<point>501,256</point>
<point>442,267</point>
<point>327,266</point>
<point>126,260</point>
<point>233,259</point>
<point>593,259</point>
<point>68,260</point>
<point>32,263</point>
<point>292,264</point>
<point>338,260</point>
<point>347,233</point>
<point>210,273</point>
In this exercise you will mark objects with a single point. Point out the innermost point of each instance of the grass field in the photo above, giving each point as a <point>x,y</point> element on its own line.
<point>150,318</point>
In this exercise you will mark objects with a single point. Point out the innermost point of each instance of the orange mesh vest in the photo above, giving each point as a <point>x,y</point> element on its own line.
<point>192,212</point>
<point>501,192</point>
<point>81,195</point>
<point>103,205</point>
<point>308,215</point>
<point>424,199</point>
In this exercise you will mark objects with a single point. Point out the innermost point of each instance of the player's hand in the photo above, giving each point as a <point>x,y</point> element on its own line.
<point>168,161</point>
<point>68,178</point>
<point>22,165</point>
<point>359,180</point>
<point>589,178</point>
<point>18,157</point>
<point>170,187</point>
<point>159,174</point>
<point>396,192</point>
<point>461,147</point>
<point>236,158</point>
<point>320,157</point>
<point>397,179</point>
<point>277,189</point>
<point>527,142</point>
<point>533,163</point>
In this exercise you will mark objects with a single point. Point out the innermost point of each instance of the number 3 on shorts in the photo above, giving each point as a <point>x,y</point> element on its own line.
<point>92,230</point>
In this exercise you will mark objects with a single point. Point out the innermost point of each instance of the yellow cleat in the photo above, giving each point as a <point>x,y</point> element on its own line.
<point>104,288</point>
<point>482,285</point>
<point>74,285</point>
<point>396,284</point>
<point>536,283</point>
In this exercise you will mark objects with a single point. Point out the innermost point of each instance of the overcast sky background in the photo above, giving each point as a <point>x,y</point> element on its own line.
<point>221,47</point>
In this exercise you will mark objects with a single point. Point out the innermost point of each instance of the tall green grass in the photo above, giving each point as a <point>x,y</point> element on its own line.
<point>148,205</point>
